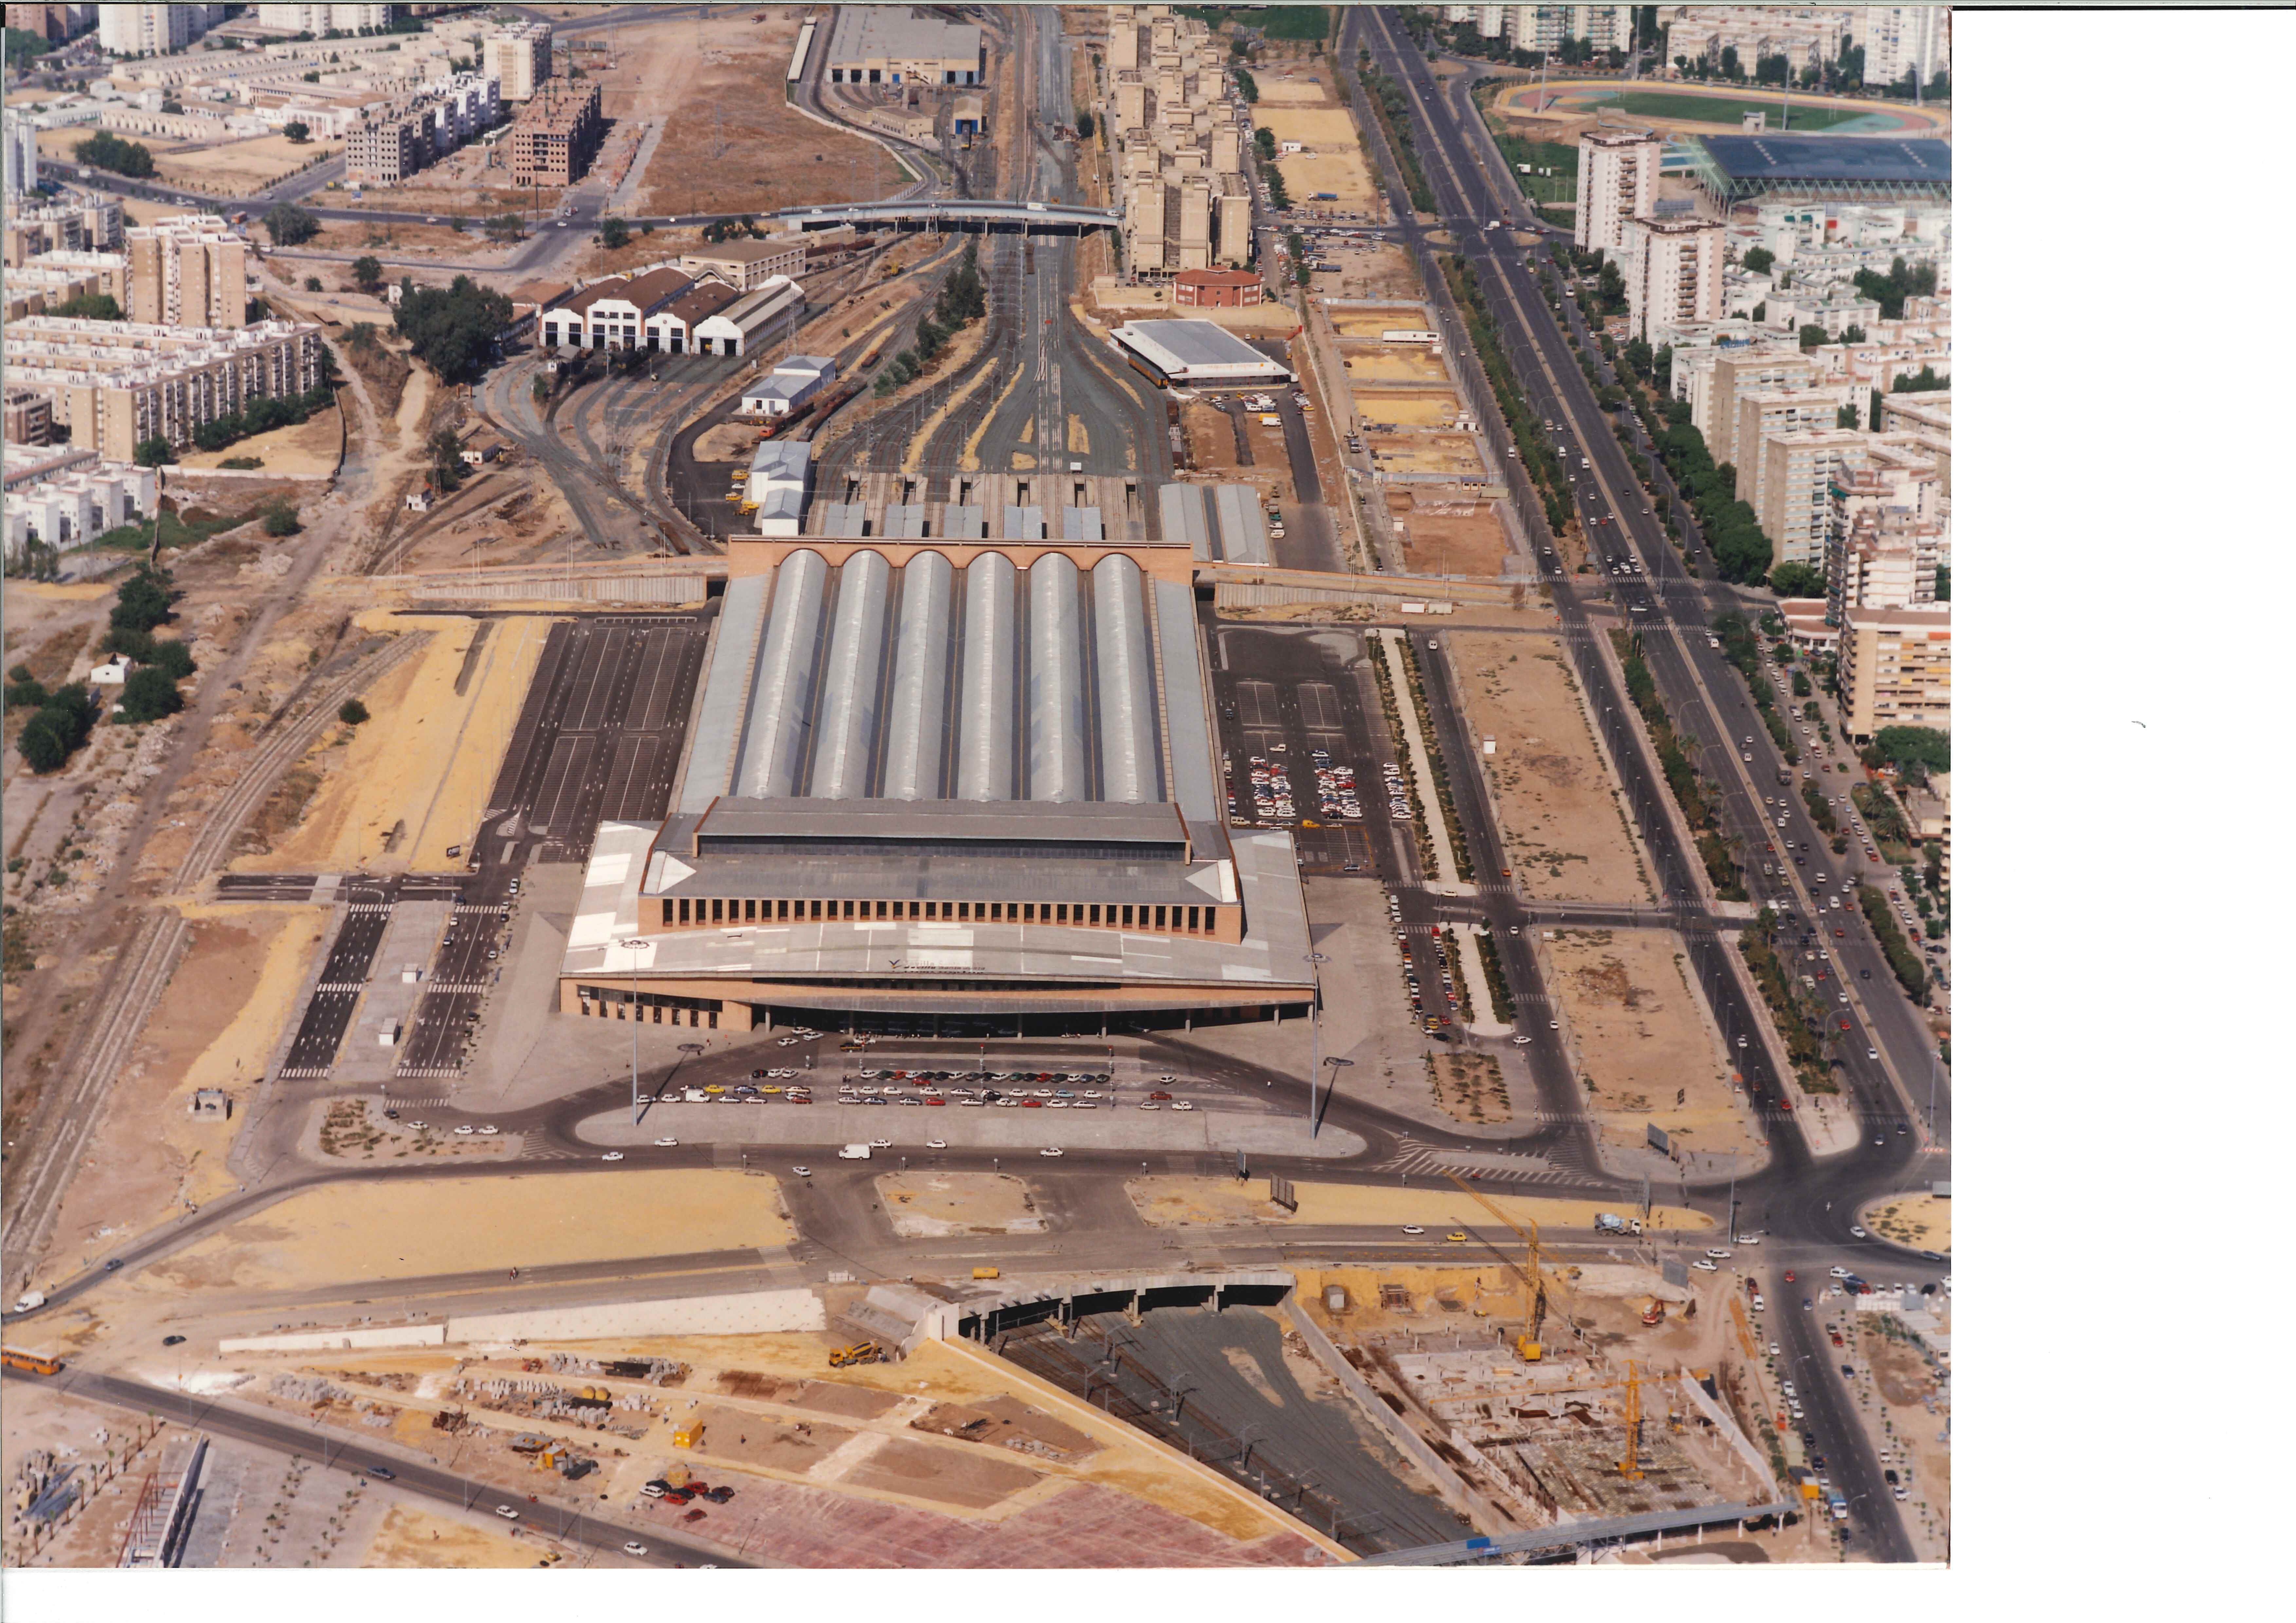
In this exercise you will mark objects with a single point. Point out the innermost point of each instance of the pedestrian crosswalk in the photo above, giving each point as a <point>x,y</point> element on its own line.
<point>429,1070</point>
<point>296,1073</point>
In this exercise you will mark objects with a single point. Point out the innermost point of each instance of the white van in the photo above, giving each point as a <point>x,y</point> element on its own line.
<point>854,1152</point>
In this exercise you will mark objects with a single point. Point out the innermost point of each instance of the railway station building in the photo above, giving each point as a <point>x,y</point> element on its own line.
<point>947,784</point>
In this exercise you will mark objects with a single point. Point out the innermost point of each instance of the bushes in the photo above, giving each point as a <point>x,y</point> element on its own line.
<point>288,225</point>
<point>150,695</point>
<point>453,329</point>
<point>1796,1025</point>
<point>1797,580</point>
<point>154,452</point>
<point>144,601</point>
<point>1681,777</point>
<point>352,713</point>
<point>262,414</point>
<point>1908,748</point>
<point>1741,552</point>
<point>280,520</point>
<point>105,151</point>
<point>1905,963</point>
<point>57,729</point>
<point>1389,106</point>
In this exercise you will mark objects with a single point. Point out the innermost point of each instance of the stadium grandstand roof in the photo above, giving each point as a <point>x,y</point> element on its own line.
<point>1738,168</point>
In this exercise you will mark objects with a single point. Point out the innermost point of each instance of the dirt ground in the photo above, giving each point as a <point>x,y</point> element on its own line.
<point>1370,323</point>
<point>1640,1032</point>
<point>215,1026</point>
<point>1444,534</point>
<point>240,167</point>
<point>1307,110</point>
<point>1419,408</point>
<point>732,144</point>
<point>1390,364</point>
<point>106,1452</point>
<point>1168,1202</point>
<point>933,1205</point>
<point>1924,1221</point>
<point>1564,829</point>
<point>304,447</point>
<point>413,1538</point>
<point>1422,453</point>
<point>386,1231</point>
<point>424,761</point>
<point>1470,1087</point>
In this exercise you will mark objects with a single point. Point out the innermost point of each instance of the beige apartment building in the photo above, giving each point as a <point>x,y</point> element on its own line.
<point>555,138</point>
<point>1618,180</point>
<point>519,58</point>
<point>55,279</point>
<point>385,154</point>
<point>115,384</point>
<point>1673,270</point>
<point>1896,670</point>
<point>1179,145</point>
<point>1776,411</point>
<point>1714,409</point>
<point>187,271</point>
<point>1798,470</point>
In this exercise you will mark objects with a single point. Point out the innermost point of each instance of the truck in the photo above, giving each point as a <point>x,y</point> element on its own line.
<point>29,1300</point>
<point>860,1352</point>
<point>854,1152</point>
<point>1611,1223</point>
<point>1837,1505</point>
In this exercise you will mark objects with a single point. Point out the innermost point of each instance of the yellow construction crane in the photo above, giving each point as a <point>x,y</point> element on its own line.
<point>1534,1274</point>
<point>1630,1464</point>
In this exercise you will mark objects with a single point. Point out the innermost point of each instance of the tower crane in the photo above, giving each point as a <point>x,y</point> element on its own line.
<point>1534,1277</point>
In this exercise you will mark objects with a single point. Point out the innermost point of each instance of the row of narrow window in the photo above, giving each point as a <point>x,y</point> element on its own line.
<point>749,910</point>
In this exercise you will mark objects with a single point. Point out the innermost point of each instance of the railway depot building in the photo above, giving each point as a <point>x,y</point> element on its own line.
<point>957,787</point>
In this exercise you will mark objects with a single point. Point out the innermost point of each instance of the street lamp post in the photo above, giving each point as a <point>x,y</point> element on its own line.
<point>635,943</point>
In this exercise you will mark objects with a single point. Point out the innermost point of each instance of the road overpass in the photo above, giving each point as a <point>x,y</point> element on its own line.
<point>942,212</point>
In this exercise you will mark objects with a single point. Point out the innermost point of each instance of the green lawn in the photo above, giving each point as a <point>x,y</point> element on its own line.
<point>1729,109</point>
<point>1560,187</point>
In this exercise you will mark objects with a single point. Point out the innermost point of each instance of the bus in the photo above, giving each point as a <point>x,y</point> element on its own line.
<point>30,1361</point>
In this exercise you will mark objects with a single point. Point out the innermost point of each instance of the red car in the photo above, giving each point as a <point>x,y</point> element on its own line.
<point>1032,1104</point>
<point>800,1098</point>
<point>1845,1025</point>
<point>695,1515</point>
<point>1160,1095</point>
<point>937,1101</point>
<point>1790,1279</point>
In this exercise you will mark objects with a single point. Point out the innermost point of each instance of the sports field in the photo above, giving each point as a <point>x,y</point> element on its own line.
<point>1809,119</point>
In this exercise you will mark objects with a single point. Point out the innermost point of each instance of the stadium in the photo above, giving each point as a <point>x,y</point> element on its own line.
<point>1847,169</point>
<point>953,790</point>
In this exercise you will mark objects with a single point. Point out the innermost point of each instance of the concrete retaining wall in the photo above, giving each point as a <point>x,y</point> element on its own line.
<point>344,1341</point>
<point>741,1313</point>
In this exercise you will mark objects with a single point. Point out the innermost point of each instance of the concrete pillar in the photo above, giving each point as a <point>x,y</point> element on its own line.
<point>1132,1309</point>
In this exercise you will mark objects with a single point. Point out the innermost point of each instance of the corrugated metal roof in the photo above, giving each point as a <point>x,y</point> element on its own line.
<point>1187,725</point>
<point>1023,524</point>
<point>847,519</point>
<point>906,522</point>
<point>965,523</point>
<point>1181,508</point>
<point>724,693</point>
<point>1081,524</point>
<point>1243,530</point>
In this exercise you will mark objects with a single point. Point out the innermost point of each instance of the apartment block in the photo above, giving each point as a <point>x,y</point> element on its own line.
<point>1798,469</point>
<point>317,19</point>
<point>1618,180</point>
<point>1776,411</point>
<point>1805,35</point>
<point>115,384</point>
<point>1179,144</point>
<point>519,58</point>
<point>20,153</point>
<point>1896,670</point>
<point>1673,270</point>
<point>152,30</point>
<point>556,136</point>
<point>1885,559</point>
<point>385,152</point>
<point>1902,39</point>
<point>187,271</point>
<point>1714,410</point>
<point>55,279</point>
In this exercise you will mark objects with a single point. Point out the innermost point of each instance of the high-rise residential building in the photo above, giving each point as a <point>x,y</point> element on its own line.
<point>1896,670</point>
<point>1798,469</point>
<point>385,152</point>
<point>1714,410</point>
<point>555,139</point>
<point>1763,412</point>
<point>1885,558</point>
<point>1673,270</point>
<point>187,271</point>
<point>1902,39</point>
<point>20,153</point>
<point>116,384</point>
<point>1617,179</point>
<point>151,31</point>
<point>317,19</point>
<point>519,58</point>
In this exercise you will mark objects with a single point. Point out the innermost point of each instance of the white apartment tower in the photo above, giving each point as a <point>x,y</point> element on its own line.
<point>1673,271</point>
<point>21,152</point>
<point>1617,179</point>
<point>150,30</point>
<point>1901,38</point>
<point>520,58</point>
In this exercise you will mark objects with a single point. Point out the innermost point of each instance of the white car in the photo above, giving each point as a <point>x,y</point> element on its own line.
<point>881,1143</point>
<point>1704,1266</point>
<point>1182,1105</point>
<point>1049,1151</point>
<point>802,1171</point>
<point>464,1131</point>
<point>1857,1231</point>
<point>1787,1386</point>
<point>1413,1228</point>
<point>665,1143</point>
<point>506,1512</point>
<point>633,1548</point>
<point>1749,1240</point>
<point>1522,1042</point>
<point>611,1155</point>
<point>936,1144</point>
<point>1838,1271</point>
<point>1150,1104</point>
<point>1773,1349</point>
<point>1716,1252</point>
<point>489,1132</point>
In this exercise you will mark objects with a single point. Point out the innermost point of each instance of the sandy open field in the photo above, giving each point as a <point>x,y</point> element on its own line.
<point>1642,1034</point>
<point>395,1230</point>
<point>413,1538</point>
<point>425,760</point>
<point>1387,318</point>
<point>1557,804</point>
<point>240,167</point>
<point>1390,363</point>
<point>216,1025</point>
<point>1304,110</point>
<point>1436,451</point>
<point>930,1205</point>
<point>732,144</point>
<point>1185,1201</point>
<point>1447,536</point>
<point>1425,408</point>
<point>302,447</point>
<point>1922,1220</point>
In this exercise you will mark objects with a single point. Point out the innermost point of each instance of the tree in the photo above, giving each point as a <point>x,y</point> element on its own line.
<point>1797,580</point>
<point>1772,70</point>
<point>1907,747</point>
<point>367,270</point>
<point>1758,260</point>
<point>352,713</point>
<point>149,694</point>
<point>1812,335</point>
<point>288,225</point>
<point>613,233</point>
<point>511,227</point>
<point>1263,140</point>
<point>105,151</point>
<point>296,131</point>
<point>1084,123</point>
<point>90,307</point>
<point>453,329</point>
<point>172,107</point>
<point>23,45</point>
<point>282,521</point>
<point>445,447</point>
<point>1761,312</point>
<point>154,452</point>
<point>1846,417</point>
<point>1945,583</point>
<point>311,285</point>
<point>1730,68</point>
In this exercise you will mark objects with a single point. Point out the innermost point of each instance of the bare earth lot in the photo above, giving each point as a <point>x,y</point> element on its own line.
<point>1564,829</point>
